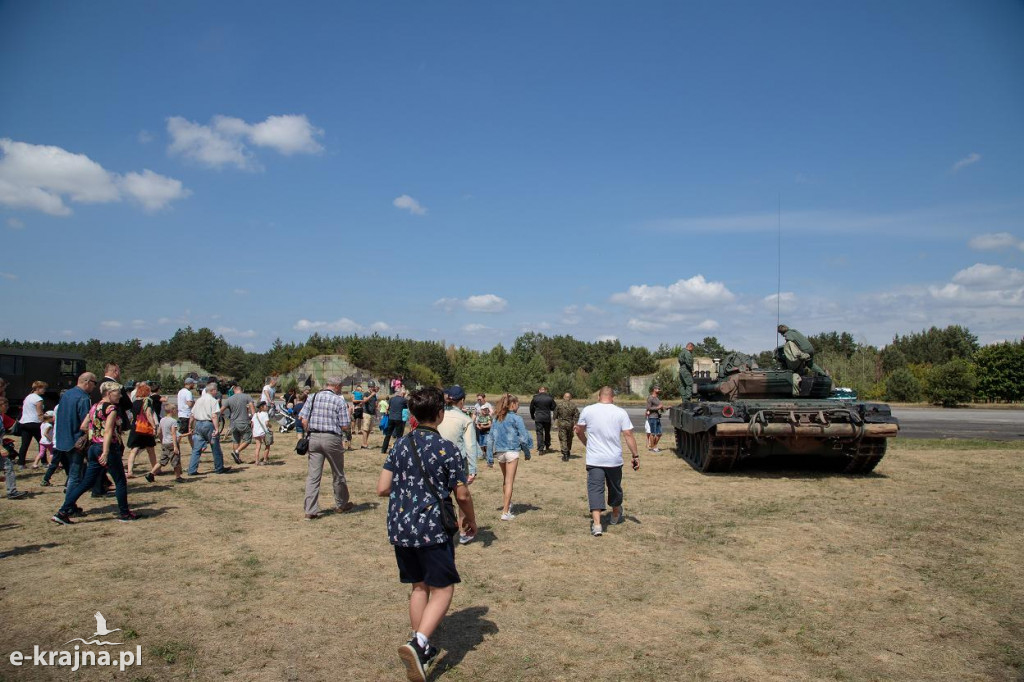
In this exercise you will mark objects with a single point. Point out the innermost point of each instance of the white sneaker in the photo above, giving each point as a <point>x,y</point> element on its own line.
<point>507,516</point>
<point>596,530</point>
<point>466,539</point>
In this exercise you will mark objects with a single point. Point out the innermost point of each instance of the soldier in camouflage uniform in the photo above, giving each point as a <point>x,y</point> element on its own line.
<point>566,416</point>
<point>797,354</point>
<point>686,372</point>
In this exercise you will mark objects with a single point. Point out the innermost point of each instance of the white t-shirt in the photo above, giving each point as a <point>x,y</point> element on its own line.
<point>184,398</point>
<point>46,434</point>
<point>259,424</point>
<point>267,395</point>
<point>605,423</point>
<point>478,408</point>
<point>28,409</point>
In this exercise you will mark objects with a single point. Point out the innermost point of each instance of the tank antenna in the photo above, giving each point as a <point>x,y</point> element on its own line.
<point>778,286</point>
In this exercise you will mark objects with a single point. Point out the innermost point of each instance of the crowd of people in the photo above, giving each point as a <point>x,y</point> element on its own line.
<point>96,421</point>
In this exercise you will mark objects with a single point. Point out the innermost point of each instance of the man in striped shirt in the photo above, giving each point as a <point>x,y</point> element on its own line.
<point>324,417</point>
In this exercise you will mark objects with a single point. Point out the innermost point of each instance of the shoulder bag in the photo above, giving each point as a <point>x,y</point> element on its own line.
<point>449,521</point>
<point>302,446</point>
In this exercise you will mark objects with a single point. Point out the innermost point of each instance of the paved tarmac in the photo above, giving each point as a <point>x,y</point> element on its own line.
<point>915,422</point>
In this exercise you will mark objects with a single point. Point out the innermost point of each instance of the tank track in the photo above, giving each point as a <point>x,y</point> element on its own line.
<point>865,455</point>
<point>706,453</point>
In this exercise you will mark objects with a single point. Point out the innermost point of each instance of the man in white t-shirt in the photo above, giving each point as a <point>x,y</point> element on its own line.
<point>600,428</point>
<point>185,402</point>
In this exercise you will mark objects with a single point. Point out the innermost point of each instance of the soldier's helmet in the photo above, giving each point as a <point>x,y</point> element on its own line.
<point>783,329</point>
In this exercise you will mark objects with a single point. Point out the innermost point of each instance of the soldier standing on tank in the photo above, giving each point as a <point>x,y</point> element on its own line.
<point>686,371</point>
<point>566,416</point>
<point>797,354</point>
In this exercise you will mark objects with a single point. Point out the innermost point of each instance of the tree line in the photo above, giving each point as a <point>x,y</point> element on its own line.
<point>943,366</point>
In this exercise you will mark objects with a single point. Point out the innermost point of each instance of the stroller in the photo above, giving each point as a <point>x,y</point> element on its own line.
<point>288,418</point>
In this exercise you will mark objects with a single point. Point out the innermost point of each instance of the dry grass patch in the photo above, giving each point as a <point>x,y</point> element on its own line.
<point>763,574</point>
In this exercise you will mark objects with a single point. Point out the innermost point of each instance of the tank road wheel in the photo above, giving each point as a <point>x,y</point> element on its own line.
<point>866,456</point>
<point>702,456</point>
<point>680,443</point>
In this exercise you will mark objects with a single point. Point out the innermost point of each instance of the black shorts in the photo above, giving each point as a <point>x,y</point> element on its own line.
<point>433,565</point>
<point>182,425</point>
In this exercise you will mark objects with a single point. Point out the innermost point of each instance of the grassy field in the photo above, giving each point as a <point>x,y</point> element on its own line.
<point>912,573</point>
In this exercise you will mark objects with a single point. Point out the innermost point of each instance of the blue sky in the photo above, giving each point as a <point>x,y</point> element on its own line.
<point>468,171</point>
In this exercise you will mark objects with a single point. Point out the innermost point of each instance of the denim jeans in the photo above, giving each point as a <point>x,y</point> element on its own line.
<point>93,471</point>
<point>396,429</point>
<point>73,463</point>
<point>204,434</point>
<point>11,478</point>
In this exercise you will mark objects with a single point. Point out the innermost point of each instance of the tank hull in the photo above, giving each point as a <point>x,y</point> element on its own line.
<point>714,435</point>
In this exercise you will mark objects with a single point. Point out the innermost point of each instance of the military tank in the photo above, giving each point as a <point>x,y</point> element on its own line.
<point>754,412</point>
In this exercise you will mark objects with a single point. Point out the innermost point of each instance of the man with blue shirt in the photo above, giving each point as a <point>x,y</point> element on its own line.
<point>72,410</point>
<point>421,472</point>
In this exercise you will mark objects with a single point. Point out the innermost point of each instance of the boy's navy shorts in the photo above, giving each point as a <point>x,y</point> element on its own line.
<point>433,565</point>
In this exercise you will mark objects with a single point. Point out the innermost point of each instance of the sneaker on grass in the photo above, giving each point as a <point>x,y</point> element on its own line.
<point>62,519</point>
<point>616,519</point>
<point>130,516</point>
<point>418,661</point>
<point>466,539</point>
<point>16,494</point>
<point>595,529</point>
<point>507,516</point>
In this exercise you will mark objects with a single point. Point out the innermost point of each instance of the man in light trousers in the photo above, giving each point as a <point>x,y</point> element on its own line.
<point>325,417</point>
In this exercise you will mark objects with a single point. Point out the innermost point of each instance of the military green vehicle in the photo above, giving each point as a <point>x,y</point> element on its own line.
<point>756,412</point>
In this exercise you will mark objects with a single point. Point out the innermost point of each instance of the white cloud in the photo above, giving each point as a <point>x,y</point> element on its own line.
<point>231,331</point>
<point>409,204</point>
<point>15,224</point>
<point>144,137</point>
<point>571,315</point>
<point>152,190</point>
<point>8,275</point>
<point>969,160</point>
<point>380,327</point>
<point>139,324</point>
<point>607,337</point>
<point>481,303</point>
<point>686,294</point>
<point>989,277</point>
<point>110,324</point>
<point>475,328</point>
<point>644,326</point>
<point>241,292</point>
<point>485,303</point>
<point>224,141</point>
<point>340,325</point>
<point>995,241</point>
<point>66,332</point>
<point>708,326</point>
<point>41,177</point>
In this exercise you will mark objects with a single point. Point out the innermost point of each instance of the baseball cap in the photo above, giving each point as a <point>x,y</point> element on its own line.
<point>455,393</point>
<point>190,380</point>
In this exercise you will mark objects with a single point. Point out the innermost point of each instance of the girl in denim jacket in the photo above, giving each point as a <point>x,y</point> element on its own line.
<point>507,438</point>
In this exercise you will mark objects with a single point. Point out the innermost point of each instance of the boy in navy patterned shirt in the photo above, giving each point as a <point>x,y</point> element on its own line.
<point>424,552</point>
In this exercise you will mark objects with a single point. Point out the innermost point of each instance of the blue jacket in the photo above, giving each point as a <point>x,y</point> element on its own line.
<point>71,410</point>
<point>509,435</point>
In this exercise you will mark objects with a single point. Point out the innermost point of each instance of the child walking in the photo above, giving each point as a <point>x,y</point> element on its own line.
<point>424,466</point>
<point>260,428</point>
<point>45,440</point>
<point>170,452</point>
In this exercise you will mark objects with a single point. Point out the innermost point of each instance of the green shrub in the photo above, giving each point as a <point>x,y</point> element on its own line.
<point>951,383</point>
<point>902,386</point>
<point>668,381</point>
